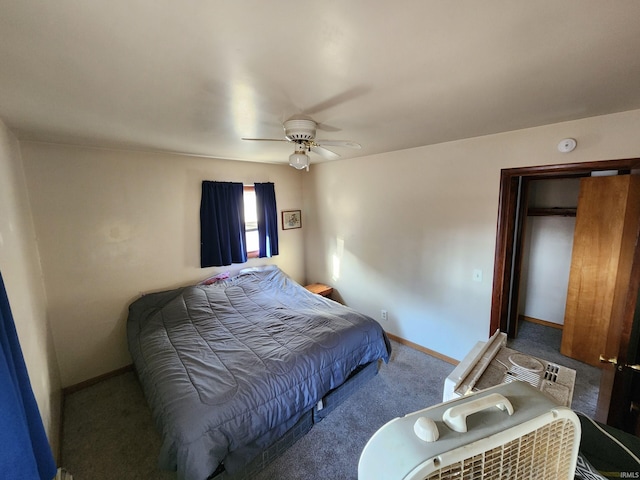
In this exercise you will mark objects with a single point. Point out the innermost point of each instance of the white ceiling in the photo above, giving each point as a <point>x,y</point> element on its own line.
<point>195,76</point>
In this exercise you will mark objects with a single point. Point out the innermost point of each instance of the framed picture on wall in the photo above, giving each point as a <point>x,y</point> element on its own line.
<point>291,219</point>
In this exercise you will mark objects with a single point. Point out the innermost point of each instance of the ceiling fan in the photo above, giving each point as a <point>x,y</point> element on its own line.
<point>301,130</point>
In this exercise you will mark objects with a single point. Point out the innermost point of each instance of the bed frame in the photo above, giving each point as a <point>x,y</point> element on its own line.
<point>315,415</point>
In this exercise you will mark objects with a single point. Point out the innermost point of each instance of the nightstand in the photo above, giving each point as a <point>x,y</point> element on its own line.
<point>320,289</point>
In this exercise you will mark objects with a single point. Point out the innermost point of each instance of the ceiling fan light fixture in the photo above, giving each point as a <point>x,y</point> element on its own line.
<point>299,160</point>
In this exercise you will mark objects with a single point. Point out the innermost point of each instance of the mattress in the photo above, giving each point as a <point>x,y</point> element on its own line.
<point>228,368</point>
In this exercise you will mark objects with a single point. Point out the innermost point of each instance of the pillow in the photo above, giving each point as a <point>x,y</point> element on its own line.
<point>261,268</point>
<point>215,278</point>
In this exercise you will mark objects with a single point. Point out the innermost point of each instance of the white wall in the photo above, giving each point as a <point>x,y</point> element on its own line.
<point>546,274</point>
<point>20,266</point>
<point>112,224</point>
<point>404,231</point>
<point>547,251</point>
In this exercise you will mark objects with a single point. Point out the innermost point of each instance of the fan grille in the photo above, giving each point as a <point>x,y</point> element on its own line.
<point>545,453</point>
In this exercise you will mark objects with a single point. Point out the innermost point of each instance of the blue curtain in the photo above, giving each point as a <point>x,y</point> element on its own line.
<point>267,219</point>
<point>24,449</point>
<point>222,230</point>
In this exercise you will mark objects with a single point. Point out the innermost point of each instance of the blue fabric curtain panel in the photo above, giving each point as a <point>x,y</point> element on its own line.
<point>267,219</point>
<point>222,230</point>
<point>24,449</point>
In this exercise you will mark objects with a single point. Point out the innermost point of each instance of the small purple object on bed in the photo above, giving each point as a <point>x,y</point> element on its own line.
<point>228,368</point>
<point>215,278</point>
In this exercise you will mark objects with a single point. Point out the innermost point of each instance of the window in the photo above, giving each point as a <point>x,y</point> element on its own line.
<point>251,222</point>
<point>237,222</point>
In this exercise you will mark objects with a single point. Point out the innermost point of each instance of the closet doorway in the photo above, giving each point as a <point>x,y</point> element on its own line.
<point>549,225</point>
<point>614,400</point>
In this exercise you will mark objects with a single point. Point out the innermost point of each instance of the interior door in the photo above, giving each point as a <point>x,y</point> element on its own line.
<point>619,399</point>
<point>605,235</point>
<point>628,400</point>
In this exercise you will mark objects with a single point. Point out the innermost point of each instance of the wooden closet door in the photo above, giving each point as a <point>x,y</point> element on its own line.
<point>605,221</point>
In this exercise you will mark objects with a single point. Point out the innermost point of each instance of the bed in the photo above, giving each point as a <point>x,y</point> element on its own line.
<point>229,368</point>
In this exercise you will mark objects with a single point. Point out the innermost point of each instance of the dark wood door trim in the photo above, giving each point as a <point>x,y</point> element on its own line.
<point>507,228</point>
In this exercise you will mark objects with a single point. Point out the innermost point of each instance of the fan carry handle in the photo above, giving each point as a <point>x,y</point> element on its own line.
<point>456,417</point>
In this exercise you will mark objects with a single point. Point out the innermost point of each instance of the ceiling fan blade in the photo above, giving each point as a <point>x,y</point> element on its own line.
<point>267,139</point>
<point>338,143</point>
<point>327,128</point>
<point>325,153</point>
<point>337,99</point>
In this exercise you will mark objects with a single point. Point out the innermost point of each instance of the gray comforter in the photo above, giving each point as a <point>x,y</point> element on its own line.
<point>229,367</point>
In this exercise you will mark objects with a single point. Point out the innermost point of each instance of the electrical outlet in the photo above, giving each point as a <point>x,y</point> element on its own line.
<point>383,315</point>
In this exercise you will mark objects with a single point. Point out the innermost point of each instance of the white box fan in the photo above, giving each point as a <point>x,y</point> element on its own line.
<point>511,431</point>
